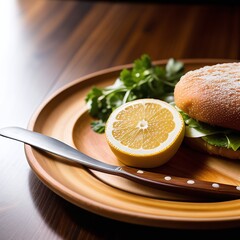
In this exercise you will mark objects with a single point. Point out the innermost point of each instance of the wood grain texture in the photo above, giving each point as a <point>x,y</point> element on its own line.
<point>46,44</point>
<point>64,117</point>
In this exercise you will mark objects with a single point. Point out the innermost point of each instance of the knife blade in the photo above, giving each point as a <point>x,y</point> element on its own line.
<point>152,179</point>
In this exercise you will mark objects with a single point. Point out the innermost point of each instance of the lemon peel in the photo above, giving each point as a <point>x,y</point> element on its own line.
<point>145,133</point>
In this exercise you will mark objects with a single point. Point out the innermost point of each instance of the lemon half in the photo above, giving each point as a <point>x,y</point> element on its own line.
<point>145,133</point>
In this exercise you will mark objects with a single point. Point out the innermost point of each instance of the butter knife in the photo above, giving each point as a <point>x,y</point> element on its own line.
<point>142,176</point>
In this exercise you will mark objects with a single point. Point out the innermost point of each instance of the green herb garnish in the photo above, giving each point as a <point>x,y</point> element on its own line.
<point>144,80</point>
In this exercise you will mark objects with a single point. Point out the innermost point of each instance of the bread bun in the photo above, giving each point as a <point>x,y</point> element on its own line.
<point>211,94</point>
<point>200,145</point>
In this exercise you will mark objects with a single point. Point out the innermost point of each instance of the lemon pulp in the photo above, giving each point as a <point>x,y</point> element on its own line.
<point>145,132</point>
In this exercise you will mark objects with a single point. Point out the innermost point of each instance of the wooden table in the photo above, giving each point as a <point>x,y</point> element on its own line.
<point>46,44</point>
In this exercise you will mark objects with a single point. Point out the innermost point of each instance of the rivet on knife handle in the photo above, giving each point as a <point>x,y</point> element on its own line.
<point>155,180</point>
<point>180,184</point>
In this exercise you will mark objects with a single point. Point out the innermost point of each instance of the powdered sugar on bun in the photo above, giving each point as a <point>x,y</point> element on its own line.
<point>211,94</point>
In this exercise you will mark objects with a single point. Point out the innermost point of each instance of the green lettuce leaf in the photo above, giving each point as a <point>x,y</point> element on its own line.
<point>216,136</point>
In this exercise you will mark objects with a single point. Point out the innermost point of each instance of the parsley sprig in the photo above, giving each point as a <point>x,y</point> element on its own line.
<point>143,80</point>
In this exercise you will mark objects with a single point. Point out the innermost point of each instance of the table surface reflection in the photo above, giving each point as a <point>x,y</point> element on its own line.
<point>46,44</point>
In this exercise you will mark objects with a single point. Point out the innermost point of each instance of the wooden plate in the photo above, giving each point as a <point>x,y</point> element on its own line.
<point>64,117</point>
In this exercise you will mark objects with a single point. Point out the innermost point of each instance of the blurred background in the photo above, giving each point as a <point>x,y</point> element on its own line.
<point>58,41</point>
<point>46,44</point>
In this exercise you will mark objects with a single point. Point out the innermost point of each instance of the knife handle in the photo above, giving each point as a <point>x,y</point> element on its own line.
<point>180,184</point>
<point>152,179</point>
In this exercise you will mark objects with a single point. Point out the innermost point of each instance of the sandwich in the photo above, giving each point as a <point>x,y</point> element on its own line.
<point>209,100</point>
